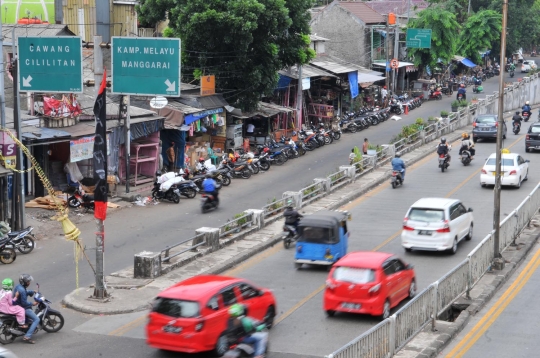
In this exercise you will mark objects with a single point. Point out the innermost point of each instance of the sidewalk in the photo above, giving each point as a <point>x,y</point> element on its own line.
<point>130,295</point>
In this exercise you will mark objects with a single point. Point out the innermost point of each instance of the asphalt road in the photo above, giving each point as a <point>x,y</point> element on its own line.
<point>303,329</point>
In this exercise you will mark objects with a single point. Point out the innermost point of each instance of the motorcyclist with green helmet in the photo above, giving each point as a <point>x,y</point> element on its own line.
<point>7,304</point>
<point>246,329</point>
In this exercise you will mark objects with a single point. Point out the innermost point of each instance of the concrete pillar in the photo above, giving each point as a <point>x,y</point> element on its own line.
<point>210,236</point>
<point>257,218</point>
<point>423,136</point>
<point>296,196</point>
<point>325,182</point>
<point>350,171</point>
<point>389,149</point>
<point>147,265</point>
<point>371,160</point>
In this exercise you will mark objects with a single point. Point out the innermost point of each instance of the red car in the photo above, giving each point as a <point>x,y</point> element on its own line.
<point>192,315</point>
<point>368,282</point>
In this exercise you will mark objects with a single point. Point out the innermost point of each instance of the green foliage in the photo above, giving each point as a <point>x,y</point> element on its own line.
<point>480,32</point>
<point>443,114</point>
<point>168,32</point>
<point>463,104</point>
<point>240,218</point>
<point>444,36</point>
<point>197,73</point>
<point>455,103</point>
<point>242,42</point>
<point>357,155</point>
<point>419,121</point>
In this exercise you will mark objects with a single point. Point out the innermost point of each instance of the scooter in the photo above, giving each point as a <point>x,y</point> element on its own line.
<point>516,127</point>
<point>7,254</point>
<point>22,240</point>
<point>244,350</point>
<point>511,73</point>
<point>289,236</point>
<point>80,198</point>
<point>397,179</point>
<point>460,97</point>
<point>208,203</point>
<point>443,162</point>
<point>465,157</point>
<point>478,89</point>
<point>526,115</point>
<point>435,94</point>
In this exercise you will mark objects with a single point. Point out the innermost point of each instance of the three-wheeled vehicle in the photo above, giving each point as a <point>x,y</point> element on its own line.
<point>322,238</point>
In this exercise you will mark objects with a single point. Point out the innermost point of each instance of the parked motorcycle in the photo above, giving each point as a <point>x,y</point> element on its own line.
<point>465,157</point>
<point>81,199</point>
<point>396,179</point>
<point>208,203</point>
<point>50,320</point>
<point>237,170</point>
<point>172,194</point>
<point>435,94</point>
<point>22,240</point>
<point>289,235</point>
<point>443,162</point>
<point>7,254</point>
<point>516,127</point>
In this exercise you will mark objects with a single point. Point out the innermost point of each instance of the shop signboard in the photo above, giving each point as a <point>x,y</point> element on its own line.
<point>208,85</point>
<point>145,66</point>
<point>190,118</point>
<point>50,64</point>
<point>306,83</point>
<point>8,150</point>
<point>83,148</point>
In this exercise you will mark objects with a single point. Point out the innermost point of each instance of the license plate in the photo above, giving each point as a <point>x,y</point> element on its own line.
<point>495,174</point>
<point>351,306</point>
<point>329,257</point>
<point>172,329</point>
<point>424,232</point>
<point>485,129</point>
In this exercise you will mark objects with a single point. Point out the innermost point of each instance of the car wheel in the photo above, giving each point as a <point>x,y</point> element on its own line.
<point>526,175</point>
<point>475,139</point>
<point>470,234</point>
<point>407,249</point>
<point>330,313</point>
<point>483,185</point>
<point>412,289</point>
<point>222,345</point>
<point>527,150</point>
<point>453,250</point>
<point>269,317</point>
<point>519,183</point>
<point>386,310</point>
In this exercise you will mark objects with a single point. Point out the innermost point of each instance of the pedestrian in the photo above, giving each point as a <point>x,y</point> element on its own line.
<point>352,157</point>
<point>365,146</point>
<point>171,155</point>
<point>384,93</point>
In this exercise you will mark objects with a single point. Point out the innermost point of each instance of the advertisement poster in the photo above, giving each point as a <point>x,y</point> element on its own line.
<point>83,148</point>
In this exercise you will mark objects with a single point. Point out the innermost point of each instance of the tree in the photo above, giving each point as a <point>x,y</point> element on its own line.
<point>242,42</point>
<point>481,31</point>
<point>444,36</point>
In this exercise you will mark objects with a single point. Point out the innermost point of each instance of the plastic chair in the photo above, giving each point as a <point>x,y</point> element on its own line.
<point>213,157</point>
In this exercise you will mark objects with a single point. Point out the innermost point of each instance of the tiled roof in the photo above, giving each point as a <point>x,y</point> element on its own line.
<point>398,7</point>
<point>362,11</point>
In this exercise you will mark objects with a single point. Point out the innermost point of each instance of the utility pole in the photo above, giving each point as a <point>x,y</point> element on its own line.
<point>3,181</point>
<point>299,97</point>
<point>18,197</point>
<point>498,262</point>
<point>127,140</point>
<point>396,55</point>
<point>387,80</point>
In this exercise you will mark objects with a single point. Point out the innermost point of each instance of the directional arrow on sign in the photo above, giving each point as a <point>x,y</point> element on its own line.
<point>170,86</point>
<point>26,81</point>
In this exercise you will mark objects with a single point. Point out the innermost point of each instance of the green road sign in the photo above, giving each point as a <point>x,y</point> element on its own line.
<point>419,38</point>
<point>146,66</point>
<point>50,64</point>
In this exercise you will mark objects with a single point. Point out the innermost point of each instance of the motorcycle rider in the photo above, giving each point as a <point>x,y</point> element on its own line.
<point>292,217</point>
<point>526,108</point>
<point>516,118</point>
<point>399,165</point>
<point>21,299</point>
<point>246,329</point>
<point>467,144</point>
<point>444,148</point>
<point>512,67</point>
<point>462,91</point>
<point>209,186</point>
<point>7,304</point>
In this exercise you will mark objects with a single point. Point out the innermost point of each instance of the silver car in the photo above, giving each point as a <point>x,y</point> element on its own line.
<point>485,127</point>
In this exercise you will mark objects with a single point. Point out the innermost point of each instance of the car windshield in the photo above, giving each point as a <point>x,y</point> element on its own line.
<point>317,235</point>
<point>354,275</point>
<point>535,129</point>
<point>426,215</point>
<point>176,308</point>
<point>485,120</point>
<point>504,162</point>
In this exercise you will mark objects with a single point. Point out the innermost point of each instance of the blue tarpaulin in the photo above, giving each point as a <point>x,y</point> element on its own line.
<point>353,83</point>
<point>468,62</point>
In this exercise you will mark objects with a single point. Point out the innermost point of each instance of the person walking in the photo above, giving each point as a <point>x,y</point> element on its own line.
<point>171,155</point>
<point>365,146</point>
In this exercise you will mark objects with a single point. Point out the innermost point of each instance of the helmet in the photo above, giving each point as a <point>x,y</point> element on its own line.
<point>464,135</point>
<point>7,284</point>
<point>158,173</point>
<point>208,175</point>
<point>25,279</point>
<point>290,203</point>
<point>397,155</point>
<point>384,87</point>
<point>443,140</point>
<point>201,160</point>
<point>237,310</point>
<point>517,112</point>
<point>527,102</point>
<point>462,85</point>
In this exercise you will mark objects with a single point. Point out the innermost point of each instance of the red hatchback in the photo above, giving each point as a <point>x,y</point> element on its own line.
<point>368,282</point>
<point>192,315</point>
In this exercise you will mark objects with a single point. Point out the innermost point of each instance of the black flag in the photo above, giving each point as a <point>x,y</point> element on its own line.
<point>100,152</point>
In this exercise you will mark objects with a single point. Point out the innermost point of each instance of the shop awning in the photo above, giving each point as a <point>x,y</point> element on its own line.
<point>401,64</point>
<point>468,62</point>
<point>369,78</point>
<point>45,135</point>
<point>4,171</point>
<point>308,71</point>
<point>190,118</point>
<point>266,110</point>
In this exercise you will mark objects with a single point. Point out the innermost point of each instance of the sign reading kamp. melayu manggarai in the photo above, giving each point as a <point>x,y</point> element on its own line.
<point>146,66</point>
<point>50,64</point>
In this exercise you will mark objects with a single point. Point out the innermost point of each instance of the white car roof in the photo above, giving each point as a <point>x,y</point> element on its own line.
<point>434,203</point>
<point>504,155</point>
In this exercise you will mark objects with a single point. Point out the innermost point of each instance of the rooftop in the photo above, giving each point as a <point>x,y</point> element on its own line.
<point>49,30</point>
<point>361,11</point>
<point>398,7</point>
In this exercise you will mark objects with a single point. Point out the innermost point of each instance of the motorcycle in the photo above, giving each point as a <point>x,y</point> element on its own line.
<point>516,127</point>
<point>289,235</point>
<point>7,254</point>
<point>171,194</point>
<point>80,198</point>
<point>478,88</point>
<point>460,97</point>
<point>245,350</point>
<point>465,157</point>
<point>50,320</point>
<point>397,179</point>
<point>208,203</point>
<point>443,162</point>
<point>447,90</point>
<point>435,94</point>
<point>22,240</point>
<point>238,170</point>
<point>395,107</point>
<point>526,115</point>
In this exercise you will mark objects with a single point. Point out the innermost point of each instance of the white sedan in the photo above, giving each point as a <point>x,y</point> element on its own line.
<point>514,170</point>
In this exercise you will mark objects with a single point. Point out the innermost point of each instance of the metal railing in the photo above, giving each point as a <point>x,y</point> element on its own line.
<point>451,286</point>
<point>374,344</point>
<point>312,193</point>
<point>338,179</point>
<point>362,167</point>
<point>166,252</point>
<point>276,206</point>
<point>146,32</point>
<point>236,224</point>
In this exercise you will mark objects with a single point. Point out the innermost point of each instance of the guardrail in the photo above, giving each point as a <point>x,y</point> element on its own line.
<point>236,224</point>
<point>312,193</point>
<point>165,253</point>
<point>276,206</point>
<point>408,321</point>
<point>338,179</point>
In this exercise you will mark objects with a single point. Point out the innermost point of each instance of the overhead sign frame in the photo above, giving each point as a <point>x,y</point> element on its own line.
<point>418,38</point>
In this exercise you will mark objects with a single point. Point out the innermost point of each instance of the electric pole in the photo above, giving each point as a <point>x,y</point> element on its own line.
<point>299,98</point>
<point>498,263</point>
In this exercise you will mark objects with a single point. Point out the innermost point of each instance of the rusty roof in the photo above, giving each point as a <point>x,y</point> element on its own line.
<point>363,12</point>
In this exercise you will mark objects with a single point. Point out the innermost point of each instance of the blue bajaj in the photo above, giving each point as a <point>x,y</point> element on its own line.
<point>322,238</point>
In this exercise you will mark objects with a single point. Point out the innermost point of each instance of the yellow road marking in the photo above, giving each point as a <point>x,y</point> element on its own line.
<point>120,331</point>
<point>494,312</point>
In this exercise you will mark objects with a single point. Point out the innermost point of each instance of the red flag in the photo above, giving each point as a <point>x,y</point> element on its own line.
<point>100,152</point>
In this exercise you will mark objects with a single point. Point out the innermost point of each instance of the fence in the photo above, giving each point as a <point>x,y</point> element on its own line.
<point>439,296</point>
<point>276,206</point>
<point>236,224</point>
<point>165,253</point>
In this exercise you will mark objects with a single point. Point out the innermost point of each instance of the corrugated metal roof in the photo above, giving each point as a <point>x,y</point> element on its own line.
<point>307,72</point>
<point>398,7</point>
<point>184,108</point>
<point>363,12</point>
<point>265,110</point>
<point>337,65</point>
<point>204,102</point>
<point>4,171</point>
<point>48,30</point>
<point>317,38</point>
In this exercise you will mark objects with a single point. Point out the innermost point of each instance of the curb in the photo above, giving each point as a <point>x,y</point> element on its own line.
<point>69,301</point>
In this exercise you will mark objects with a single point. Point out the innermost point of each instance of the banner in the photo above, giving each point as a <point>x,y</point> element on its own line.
<point>67,107</point>
<point>83,148</point>
<point>100,152</point>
